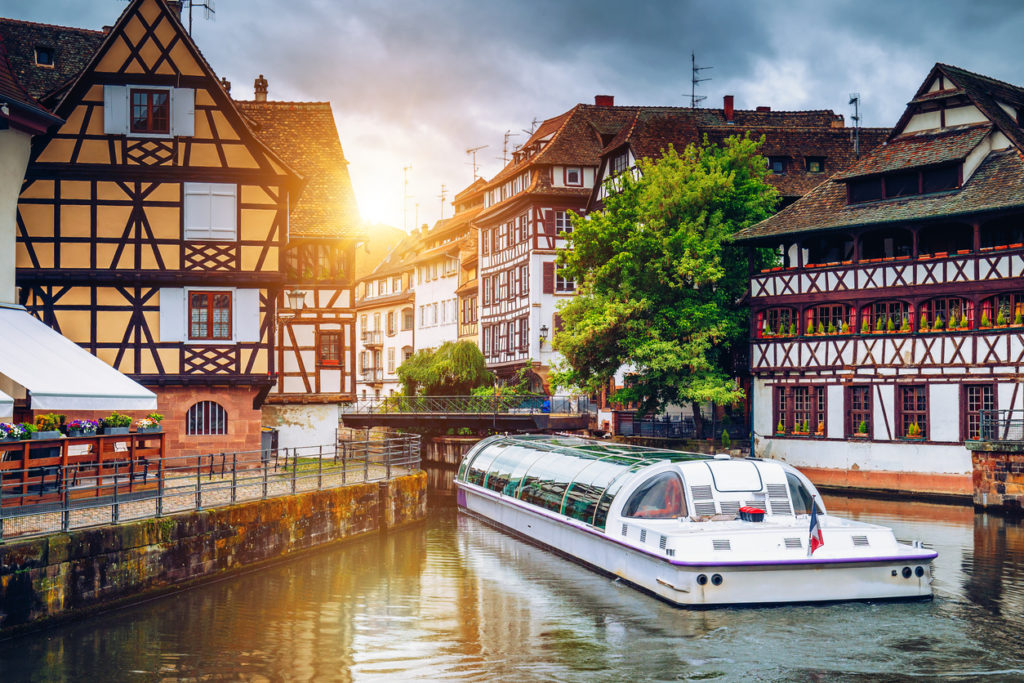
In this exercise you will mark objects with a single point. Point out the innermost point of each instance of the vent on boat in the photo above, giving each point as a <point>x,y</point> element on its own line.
<point>703,509</point>
<point>701,492</point>
<point>860,540</point>
<point>721,544</point>
<point>794,543</point>
<point>778,491</point>
<point>730,507</point>
<point>625,530</point>
<point>662,542</point>
<point>780,506</point>
<point>643,535</point>
<point>671,552</point>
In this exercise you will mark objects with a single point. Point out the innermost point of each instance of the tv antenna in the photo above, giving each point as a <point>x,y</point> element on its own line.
<point>855,101</point>
<point>208,10</point>
<point>504,147</point>
<point>695,70</point>
<point>405,196</point>
<point>533,126</point>
<point>472,151</point>
<point>442,196</point>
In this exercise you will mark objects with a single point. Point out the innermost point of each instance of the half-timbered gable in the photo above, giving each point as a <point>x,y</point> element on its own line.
<point>891,318</point>
<point>151,224</point>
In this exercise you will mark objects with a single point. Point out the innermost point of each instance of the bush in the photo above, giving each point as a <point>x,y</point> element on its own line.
<point>48,423</point>
<point>726,443</point>
<point>117,420</point>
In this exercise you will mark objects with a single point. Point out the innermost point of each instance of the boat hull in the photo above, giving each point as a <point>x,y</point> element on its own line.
<point>684,582</point>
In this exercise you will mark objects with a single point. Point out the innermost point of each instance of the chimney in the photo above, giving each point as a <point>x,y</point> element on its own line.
<point>604,100</point>
<point>764,110</point>
<point>175,7</point>
<point>227,85</point>
<point>727,105</point>
<point>261,89</point>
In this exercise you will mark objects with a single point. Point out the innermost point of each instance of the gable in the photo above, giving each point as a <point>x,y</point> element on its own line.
<point>148,40</point>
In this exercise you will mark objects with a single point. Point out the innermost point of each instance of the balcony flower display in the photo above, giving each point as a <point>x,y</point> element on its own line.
<point>116,423</point>
<point>150,423</point>
<point>11,432</point>
<point>48,426</point>
<point>802,429</point>
<point>862,430</point>
<point>914,431</point>
<point>780,428</point>
<point>83,427</point>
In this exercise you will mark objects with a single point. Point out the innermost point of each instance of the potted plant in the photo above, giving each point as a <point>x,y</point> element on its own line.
<point>83,427</point>
<point>985,322</point>
<point>914,431</point>
<point>116,423</point>
<point>792,329</point>
<point>820,431</point>
<point>10,432</point>
<point>801,429</point>
<point>845,329</point>
<point>149,424</point>
<point>905,326</point>
<point>879,325</point>
<point>922,324</point>
<point>1001,319</point>
<point>766,331</point>
<point>821,328</point>
<point>27,431</point>
<point>862,430</point>
<point>780,428</point>
<point>890,326</point>
<point>939,322</point>
<point>831,327</point>
<point>47,426</point>
<point>1018,320</point>
<point>865,327</point>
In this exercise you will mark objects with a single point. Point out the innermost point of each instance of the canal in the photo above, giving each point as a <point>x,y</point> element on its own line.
<point>455,599</point>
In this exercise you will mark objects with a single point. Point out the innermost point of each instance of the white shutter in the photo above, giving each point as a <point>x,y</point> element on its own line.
<point>197,211</point>
<point>172,315</point>
<point>115,109</point>
<point>183,112</point>
<point>223,211</point>
<point>247,315</point>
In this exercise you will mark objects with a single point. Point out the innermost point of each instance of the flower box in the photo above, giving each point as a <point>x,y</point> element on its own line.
<point>916,437</point>
<point>860,435</point>
<point>941,254</point>
<point>38,436</point>
<point>963,251</point>
<point>80,433</point>
<point>903,258</point>
<point>1016,245</point>
<point>115,430</point>
<point>150,430</point>
<point>796,433</point>
<point>9,439</point>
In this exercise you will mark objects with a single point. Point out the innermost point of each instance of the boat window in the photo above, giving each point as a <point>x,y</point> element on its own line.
<point>660,497</point>
<point>545,483</point>
<point>583,495</point>
<point>605,503</point>
<point>500,471</point>
<point>801,496</point>
<point>477,469</point>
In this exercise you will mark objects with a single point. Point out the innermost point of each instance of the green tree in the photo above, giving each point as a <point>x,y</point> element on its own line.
<point>453,369</point>
<point>659,282</point>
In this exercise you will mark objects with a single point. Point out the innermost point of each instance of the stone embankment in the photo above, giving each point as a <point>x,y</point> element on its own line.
<point>998,476</point>
<point>71,574</point>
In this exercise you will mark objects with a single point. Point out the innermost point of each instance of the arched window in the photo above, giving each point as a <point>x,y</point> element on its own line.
<point>886,316</point>
<point>660,497</point>
<point>776,322</point>
<point>1002,310</point>
<point>829,319</point>
<point>946,313</point>
<point>206,417</point>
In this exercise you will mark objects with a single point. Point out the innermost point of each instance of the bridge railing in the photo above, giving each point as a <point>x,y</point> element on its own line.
<point>1001,425</point>
<point>49,498</point>
<point>474,405</point>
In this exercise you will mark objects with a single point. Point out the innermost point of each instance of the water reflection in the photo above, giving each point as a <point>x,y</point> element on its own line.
<point>454,598</point>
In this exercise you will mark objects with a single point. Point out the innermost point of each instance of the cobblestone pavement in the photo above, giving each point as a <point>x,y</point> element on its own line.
<point>180,496</point>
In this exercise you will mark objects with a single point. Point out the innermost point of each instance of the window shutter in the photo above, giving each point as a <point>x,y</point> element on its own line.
<point>549,223</point>
<point>183,112</point>
<point>197,211</point>
<point>223,211</point>
<point>247,315</point>
<point>549,277</point>
<point>173,317</point>
<point>556,324</point>
<point>115,109</point>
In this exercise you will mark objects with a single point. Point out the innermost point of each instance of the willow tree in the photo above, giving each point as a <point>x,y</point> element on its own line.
<point>659,282</point>
<point>453,369</point>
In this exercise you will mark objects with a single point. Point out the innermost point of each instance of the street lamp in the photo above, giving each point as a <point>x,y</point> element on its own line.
<point>295,301</point>
<point>543,334</point>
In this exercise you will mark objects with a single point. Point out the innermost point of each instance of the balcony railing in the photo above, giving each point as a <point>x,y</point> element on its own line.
<point>373,338</point>
<point>372,374</point>
<point>472,405</point>
<point>1001,425</point>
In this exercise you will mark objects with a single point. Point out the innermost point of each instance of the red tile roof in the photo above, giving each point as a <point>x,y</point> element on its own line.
<point>72,49</point>
<point>925,148</point>
<point>305,136</point>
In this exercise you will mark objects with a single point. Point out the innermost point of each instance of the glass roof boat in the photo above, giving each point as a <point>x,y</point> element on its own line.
<point>694,530</point>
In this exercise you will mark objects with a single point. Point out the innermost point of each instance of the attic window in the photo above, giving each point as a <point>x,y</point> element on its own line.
<point>777,165</point>
<point>44,56</point>
<point>574,176</point>
<point>815,164</point>
<point>904,184</point>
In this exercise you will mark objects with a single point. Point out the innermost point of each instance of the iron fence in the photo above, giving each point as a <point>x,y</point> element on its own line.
<point>677,427</point>
<point>44,499</point>
<point>1001,425</point>
<point>528,404</point>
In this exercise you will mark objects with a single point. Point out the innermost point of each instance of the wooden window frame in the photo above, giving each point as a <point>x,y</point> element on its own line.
<point>206,418</point>
<point>565,176</point>
<point>209,315</point>
<point>815,160</point>
<point>150,128</point>
<point>323,358</point>
<point>787,400</point>
<point>854,415</point>
<point>904,417</point>
<point>972,414</point>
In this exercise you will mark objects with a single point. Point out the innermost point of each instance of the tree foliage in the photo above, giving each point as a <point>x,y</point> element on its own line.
<point>453,369</point>
<point>659,281</point>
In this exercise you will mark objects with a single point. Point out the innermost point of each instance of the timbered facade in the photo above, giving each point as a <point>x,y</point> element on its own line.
<point>152,222</point>
<point>896,311</point>
<point>316,345</point>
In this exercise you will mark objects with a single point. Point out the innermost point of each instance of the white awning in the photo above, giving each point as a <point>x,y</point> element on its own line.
<point>6,406</point>
<point>59,374</point>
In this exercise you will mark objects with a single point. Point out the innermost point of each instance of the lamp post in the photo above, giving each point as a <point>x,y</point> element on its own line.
<point>543,334</point>
<point>295,301</point>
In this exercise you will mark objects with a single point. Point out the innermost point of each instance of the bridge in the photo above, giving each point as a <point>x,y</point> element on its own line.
<point>519,413</point>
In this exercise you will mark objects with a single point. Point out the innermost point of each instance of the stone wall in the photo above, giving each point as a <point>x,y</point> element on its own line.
<point>448,450</point>
<point>67,575</point>
<point>998,476</point>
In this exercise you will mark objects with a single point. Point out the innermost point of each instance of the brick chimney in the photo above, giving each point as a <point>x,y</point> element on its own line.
<point>764,110</point>
<point>604,100</point>
<point>727,106</point>
<point>261,89</point>
<point>175,7</point>
<point>226,83</point>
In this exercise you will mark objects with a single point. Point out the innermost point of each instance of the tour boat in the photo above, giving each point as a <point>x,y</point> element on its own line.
<point>694,530</point>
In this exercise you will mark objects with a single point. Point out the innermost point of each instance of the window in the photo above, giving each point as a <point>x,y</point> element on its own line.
<point>408,319</point>
<point>946,313</point>
<point>44,56</point>
<point>511,332</point>
<point>904,184</point>
<point>391,360</point>
<point>396,284</point>
<point>777,322</point>
<point>564,284</point>
<point>777,165</point>
<point>800,410</point>
<point>828,319</point>
<point>619,163</point>
<point>523,227</point>
<point>1003,309</point>
<point>524,281</point>
<point>329,348</point>
<point>209,315</point>
<point>858,401</point>
<point>205,418</point>
<point>151,111</point>
<point>901,184</point>
<point>211,211</point>
<point>523,329</point>
<point>912,401</point>
<point>376,322</point>
<point>487,340</point>
<point>978,397</point>
<point>574,176</point>
<point>815,164</point>
<point>864,190</point>
<point>886,316</point>
<point>660,497</point>
<point>562,223</point>
<point>486,290</point>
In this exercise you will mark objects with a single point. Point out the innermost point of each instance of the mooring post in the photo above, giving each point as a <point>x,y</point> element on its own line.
<point>234,477</point>
<point>116,509</point>
<point>295,465</point>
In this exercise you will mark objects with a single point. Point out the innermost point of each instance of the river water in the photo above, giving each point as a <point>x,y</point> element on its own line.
<point>455,599</point>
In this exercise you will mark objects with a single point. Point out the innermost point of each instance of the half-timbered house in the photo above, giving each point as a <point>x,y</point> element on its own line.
<point>468,204</point>
<point>151,223</point>
<point>894,314</point>
<point>316,349</point>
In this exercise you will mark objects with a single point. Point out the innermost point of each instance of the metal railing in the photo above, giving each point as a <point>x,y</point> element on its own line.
<point>1001,425</point>
<point>373,337</point>
<point>677,427</point>
<point>44,499</point>
<point>471,405</point>
<point>372,374</point>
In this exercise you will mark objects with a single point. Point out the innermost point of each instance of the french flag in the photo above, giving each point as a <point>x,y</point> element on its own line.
<point>816,540</point>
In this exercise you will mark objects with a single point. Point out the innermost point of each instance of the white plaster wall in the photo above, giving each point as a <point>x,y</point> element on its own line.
<point>944,412</point>
<point>977,155</point>
<point>542,312</point>
<point>761,404</point>
<point>14,153</point>
<point>870,455</point>
<point>330,381</point>
<point>436,291</point>
<point>926,121</point>
<point>959,116</point>
<point>883,406</point>
<point>836,412</point>
<point>303,425</point>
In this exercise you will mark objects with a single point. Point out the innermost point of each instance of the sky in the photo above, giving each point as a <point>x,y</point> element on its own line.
<point>416,83</point>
